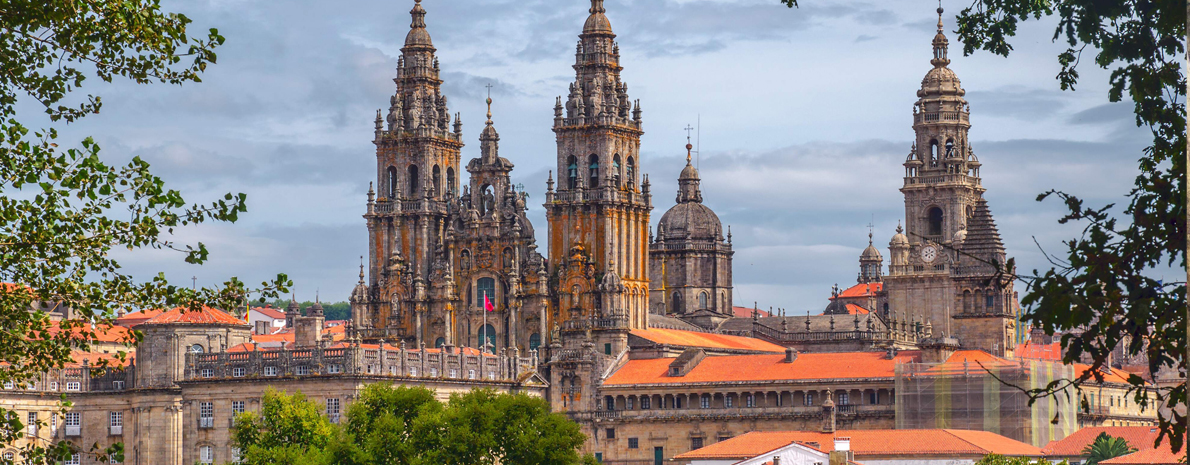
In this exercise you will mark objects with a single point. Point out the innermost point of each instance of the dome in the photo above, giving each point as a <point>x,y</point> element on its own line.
<point>418,36</point>
<point>941,80</point>
<point>692,218</point>
<point>870,253</point>
<point>360,293</point>
<point>900,239</point>
<point>597,23</point>
<point>689,173</point>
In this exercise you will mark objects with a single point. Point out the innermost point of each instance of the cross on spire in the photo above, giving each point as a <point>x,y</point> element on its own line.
<point>689,147</point>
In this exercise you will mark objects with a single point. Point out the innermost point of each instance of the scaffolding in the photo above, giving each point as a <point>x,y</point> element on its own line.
<point>974,396</point>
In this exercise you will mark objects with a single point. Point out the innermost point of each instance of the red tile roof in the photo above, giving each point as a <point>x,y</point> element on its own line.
<point>745,312</point>
<point>763,367</point>
<point>675,337</point>
<point>101,333</point>
<point>270,312</point>
<point>1139,437</point>
<point>872,443</point>
<point>207,315</point>
<point>853,309</point>
<point>94,358</point>
<point>1045,352</point>
<point>135,318</point>
<point>1160,456</point>
<point>861,290</point>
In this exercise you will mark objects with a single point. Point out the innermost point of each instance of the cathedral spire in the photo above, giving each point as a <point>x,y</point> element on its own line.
<point>417,29</point>
<point>597,23</point>
<point>941,44</point>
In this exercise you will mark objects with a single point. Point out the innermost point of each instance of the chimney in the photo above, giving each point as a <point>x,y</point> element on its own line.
<point>790,354</point>
<point>776,460</point>
<point>842,454</point>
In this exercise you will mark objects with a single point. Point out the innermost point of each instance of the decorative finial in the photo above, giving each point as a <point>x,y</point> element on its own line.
<point>489,86</point>
<point>361,269</point>
<point>689,147</point>
<point>596,6</point>
<point>899,228</point>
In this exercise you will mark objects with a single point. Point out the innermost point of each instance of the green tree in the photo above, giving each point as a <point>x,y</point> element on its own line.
<point>289,429</point>
<point>1002,460</point>
<point>1105,448</point>
<point>380,426</point>
<point>1104,282</point>
<point>64,210</point>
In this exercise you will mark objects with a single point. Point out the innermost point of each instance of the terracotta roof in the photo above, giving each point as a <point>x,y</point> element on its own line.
<point>676,337</point>
<point>334,330</point>
<point>1114,376</point>
<point>135,318</point>
<point>93,358</point>
<point>853,309</point>
<point>871,443</point>
<point>1161,456</point>
<point>861,290</point>
<point>1139,437</point>
<point>270,312</point>
<point>745,312</point>
<point>100,333</point>
<point>207,315</point>
<point>1045,352</point>
<point>764,367</point>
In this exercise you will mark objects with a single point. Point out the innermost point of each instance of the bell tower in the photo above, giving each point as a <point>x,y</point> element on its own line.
<point>599,213</point>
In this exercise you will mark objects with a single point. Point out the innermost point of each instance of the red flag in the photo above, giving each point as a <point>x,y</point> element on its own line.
<point>487,304</point>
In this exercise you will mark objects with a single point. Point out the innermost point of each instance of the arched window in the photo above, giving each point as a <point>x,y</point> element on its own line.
<point>630,176</point>
<point>725,307</point>
<point>487,337</point>
<point>593,171</point>
<point>437,177</point>
<point>676,302</point>
<point>991,302</point>
<point>485,287</point>
<point>949,148</point>
<point>616,171</point>
<point>438,343</point>
<point>935,218</point>
<point>933,153</point>
<point>391,183</point>
<point>534,341</point>
<point>702,301</point>
<point>196,349</point>
<point>450,182</point>
<point>571,172</point>
<point>412,179</point>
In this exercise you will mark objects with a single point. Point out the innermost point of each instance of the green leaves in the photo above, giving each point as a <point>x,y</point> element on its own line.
<point>1105,448</point>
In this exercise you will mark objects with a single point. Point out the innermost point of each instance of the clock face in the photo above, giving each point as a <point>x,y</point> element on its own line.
<point>929,254</point>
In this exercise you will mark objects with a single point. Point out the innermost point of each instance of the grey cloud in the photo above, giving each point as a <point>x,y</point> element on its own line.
<point>1106,113</point>
<point>865,38</point>
<point>1017,102</point>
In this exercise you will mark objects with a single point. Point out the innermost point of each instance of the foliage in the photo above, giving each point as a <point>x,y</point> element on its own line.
<point>332,311</point>
<point>289,429</point>
<point>1104,285</point>
<point>1002,460</point>
<point>390,425</point>
<point>1101,295</point>
<point>63,211</point>
<point>1105,448</point>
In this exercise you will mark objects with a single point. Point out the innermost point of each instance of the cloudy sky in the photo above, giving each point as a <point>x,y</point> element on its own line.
<point>805,119</point>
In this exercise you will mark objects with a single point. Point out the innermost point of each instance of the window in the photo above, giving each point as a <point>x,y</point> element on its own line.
<point>695,443</point>
<point>844,399</point>
<point>534,341</point>
<point>935,218</point>
<point>436,176</point>
<point>236,455</point>
<point>112,459</point>
<point>301,370</point>
<point>607,349</point>
<point>611,433</point>
<point>616,171</point>
<point>237,407</point>
<point>702,301</point>
<point>334,369</point>
<point>73,460</point>
<point>991,302</point>
<point>196,349</point>
<point>470,374</point>
<point>704,401</point>
<point>332,409</point>
<point>485,287</point>
<point>53,385</point>
<point>206,415</point>
<point>631,174</point>
<point>628,403</point>
<point>593,171</point>
<point>571,173</point>
<point>238,372</point>
<point>676,303</point>
<point>749,400</point>
<point>31,425</point>
<point>53,425</point>
<point>74,424</point>
<point>644,403</point>
<point>74,386</point>
<point>413,371</point>
<point>392,182</point>
<point>411,180</point>
<point>438,343</point>
<point>270,371</point>
<point>206,454</point>
<point>118,385</point>
<point>115,421</point>
<point>207,373</point>
<point>633,443</point>
<point>873,398</point>
<point>9,385</point>
<point>809,399</point>
<point>728,401</point>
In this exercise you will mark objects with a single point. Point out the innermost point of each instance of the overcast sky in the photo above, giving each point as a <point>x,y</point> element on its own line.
<point>805,120</point>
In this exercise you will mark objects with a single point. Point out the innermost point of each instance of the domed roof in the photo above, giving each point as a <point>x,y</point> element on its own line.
<point>870,253</point>
<point>900,239</point>
<point>941,81</point>
<point>689,173</point>
<point>597,23</point>
<point>693,219</point>
<point>417,34</point>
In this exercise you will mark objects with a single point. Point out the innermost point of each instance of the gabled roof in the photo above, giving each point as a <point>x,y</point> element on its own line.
<point>1044,352</point>
<point>1161,456</point>
<point>853,309</point>
<point>872,444</point>
<point>98,333</point>
<point>135,318</point>
<point>764,367</point>
<point>270,312</point>
<point>206,315</point>
<point>1139,437</point>
<point>674,337</point>
<point>861,290</point>
<point>745,312</point>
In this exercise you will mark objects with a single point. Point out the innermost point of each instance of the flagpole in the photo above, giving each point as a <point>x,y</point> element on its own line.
<point>483,343</point>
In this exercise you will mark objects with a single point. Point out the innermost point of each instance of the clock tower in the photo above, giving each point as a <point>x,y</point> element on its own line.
<point>947,270</point>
